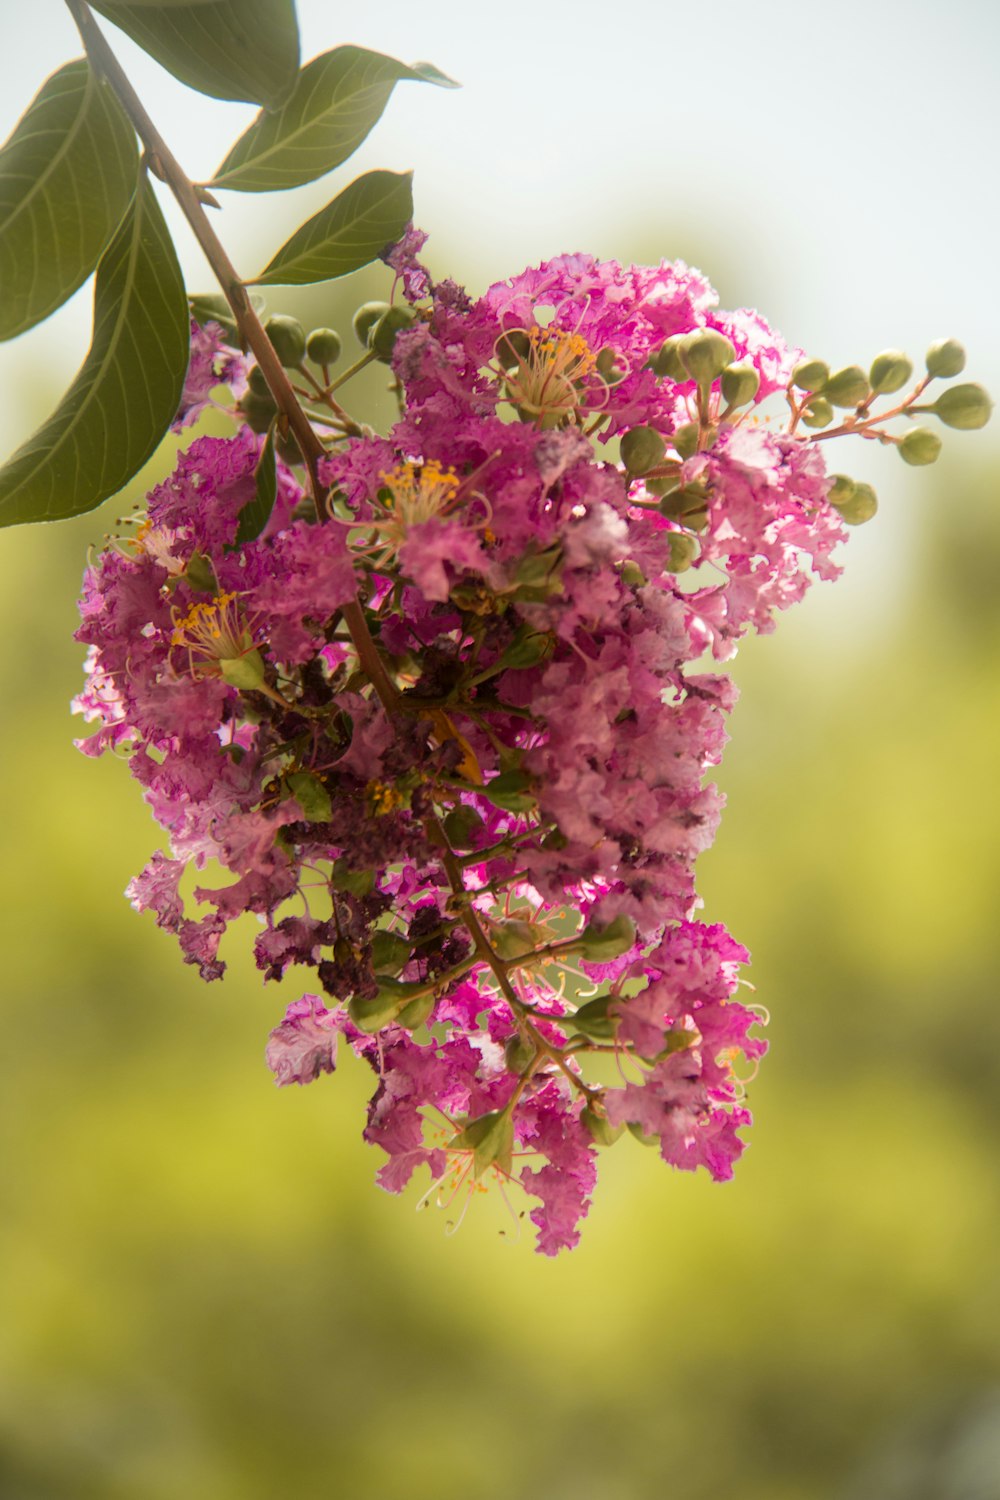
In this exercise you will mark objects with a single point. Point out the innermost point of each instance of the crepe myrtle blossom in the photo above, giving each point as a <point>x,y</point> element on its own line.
<point>481,858</point>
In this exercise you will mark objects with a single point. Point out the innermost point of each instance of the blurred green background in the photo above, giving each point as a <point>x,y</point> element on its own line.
<point>204,1295</point>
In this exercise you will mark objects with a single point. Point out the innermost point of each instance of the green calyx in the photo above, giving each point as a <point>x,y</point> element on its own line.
<point>245,672</point>
<point>667,359</point>
<point>811,374</point>
<point>601,1130</point>
<point>642,448</point>
<point>491,1140</point>
<point>818,413</point>
<point>323,346</point>
<point>965,407</point>
<point>858,506</point>
<point>600,941</point>
<point>258,410</point>
<point>740,384</point>
<point>683,551</point>
<point>364,320</point>
<point>847,387</point>
<point>706,354</point>
<point>382,338</point>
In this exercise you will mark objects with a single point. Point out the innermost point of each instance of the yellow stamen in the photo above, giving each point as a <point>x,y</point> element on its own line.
<point>546,383</point>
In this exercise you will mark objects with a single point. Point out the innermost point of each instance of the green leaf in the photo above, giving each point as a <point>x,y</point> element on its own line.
<point>230,49</point>
<point>348,233</point>
<point>511,790</point>
<point>67,175</point>
<point>338,98</point>
<point>257,512</point>
<point>128,388</point>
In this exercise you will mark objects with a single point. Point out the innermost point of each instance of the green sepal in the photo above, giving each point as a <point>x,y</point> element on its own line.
<point>311,795</point>
<point>200,574</point>
<point>511,790</point>
<point>635,1129</point>
<point>491,1140</point>
<point>642,448</point>
<point>600,1128</point>
<point>890,371</point>
<point>415,1012</point>
<point>67,176</point>
<point>527,649</point>
<point>350,232</point>
<point>601,941</point>
<point>514,938</point>
<point>847,387</point>
<point>594,1019</point>
<point>245,672</point>
<point>945,358</point>
<point>390,953</point>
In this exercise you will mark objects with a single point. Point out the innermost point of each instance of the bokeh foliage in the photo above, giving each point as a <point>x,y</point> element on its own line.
<point>204,1295</point>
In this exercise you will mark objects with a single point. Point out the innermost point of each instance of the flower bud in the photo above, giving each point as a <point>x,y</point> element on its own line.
<point>860,505</point>
<point>890,371</point>
<point>383,336</point>
<point>819,413</point>
<point>919,446</point>
<point>366,317</point>
<point>258,411</point>
<point>257,382</point>
<point>323,346</point>
<point>634,1128</point>
<point>288,339</point>
<point>371,1015</point>
<point>518,1053</point>
<point>288,450</point>
<point>963,406</point>
<point>685,439</point>
<point>705,355</point>
<point>740,384</point>
<point>245,672</point>
<point>390,953</point>
<point>609,370</point>
<point>847,387</point>
<point>594,1021</point>
<point>600,1127</point>
<point>460,824</point>
<point>840,490</point>
<point>600,941</point>
<point>945,358</point>
<point>683,551</point>
<point>415,1012</point>
<point>633,575</point>
<point>642,448</point>
<point>811,374</point>
<point>667,359</point>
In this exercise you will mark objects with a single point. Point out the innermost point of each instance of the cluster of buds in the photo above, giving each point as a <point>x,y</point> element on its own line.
<point>445,720</point>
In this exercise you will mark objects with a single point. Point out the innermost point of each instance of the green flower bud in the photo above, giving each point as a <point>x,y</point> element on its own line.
<point>683,551</point>
<point>288,339</point>
<point>245,672</point>
<point>841,490</point>
<point>323,346</point>
<point>633,575</point>
<point>811,374</point>
<point>919,446</point>
<point>415,1012</point>
<point>667,359</point>
<point>890,371</point>
<point>518,1053</point>
<point>594,1021</point>
<point>602,1132</point>
<point>859,507</point>
<point>819,413</point>
<point>511,790</point>
<point>608,370</point>
<point>642,448</point>
<point>685,439</point>
<point>258,411</point>
<point>945,358</point>
<point>371,1015</point>
<point>687,504</point>
<point>257,382</point>
<point>288,450</point>
<point>740,384</point>
<point>366,317</point>
<point>636,1129</point>
<point>963,406</point>
<point>705,355</point>
<point>847,387</point>
<point>390,953</point>
<point>383,336</point>
<point>600,941</point>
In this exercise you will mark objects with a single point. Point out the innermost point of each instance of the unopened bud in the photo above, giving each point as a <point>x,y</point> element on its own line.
<point>819,412</point>
<point>642,448</point>
<point>633,575</point>
<point>288,450</point>
<point>390,953</point>
<point>323,346</point>
<point>640,1134</point>
<point>288,339</point>
<point>602,1132</point>
<point>740,384</point>
<point>601,941</point>
<point>841,490</point>
<point>919,446</point>
<point>705,355</point>
<point>366,317</point>
<point>945,358</point>
<point>859,507</point>
<point>257,382</point>
<point>683,551</point>
<point>667,359</point>
<point>371,1015</point>
<point>608,368</point>
<point>847,387</point>
<point>518,1053</point>
<point>415,1012</point>
<point>963,406</point>
<point>383,336</point>
<point>258,411</point>
<point>890,371</point>
<point>811,374</point>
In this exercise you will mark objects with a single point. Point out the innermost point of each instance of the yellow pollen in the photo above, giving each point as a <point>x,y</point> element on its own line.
<point>216,631</point>
<point>546,381</point>
<point>383,797</point>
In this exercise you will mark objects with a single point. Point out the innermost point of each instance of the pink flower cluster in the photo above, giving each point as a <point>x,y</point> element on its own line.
<point>490,873</point>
